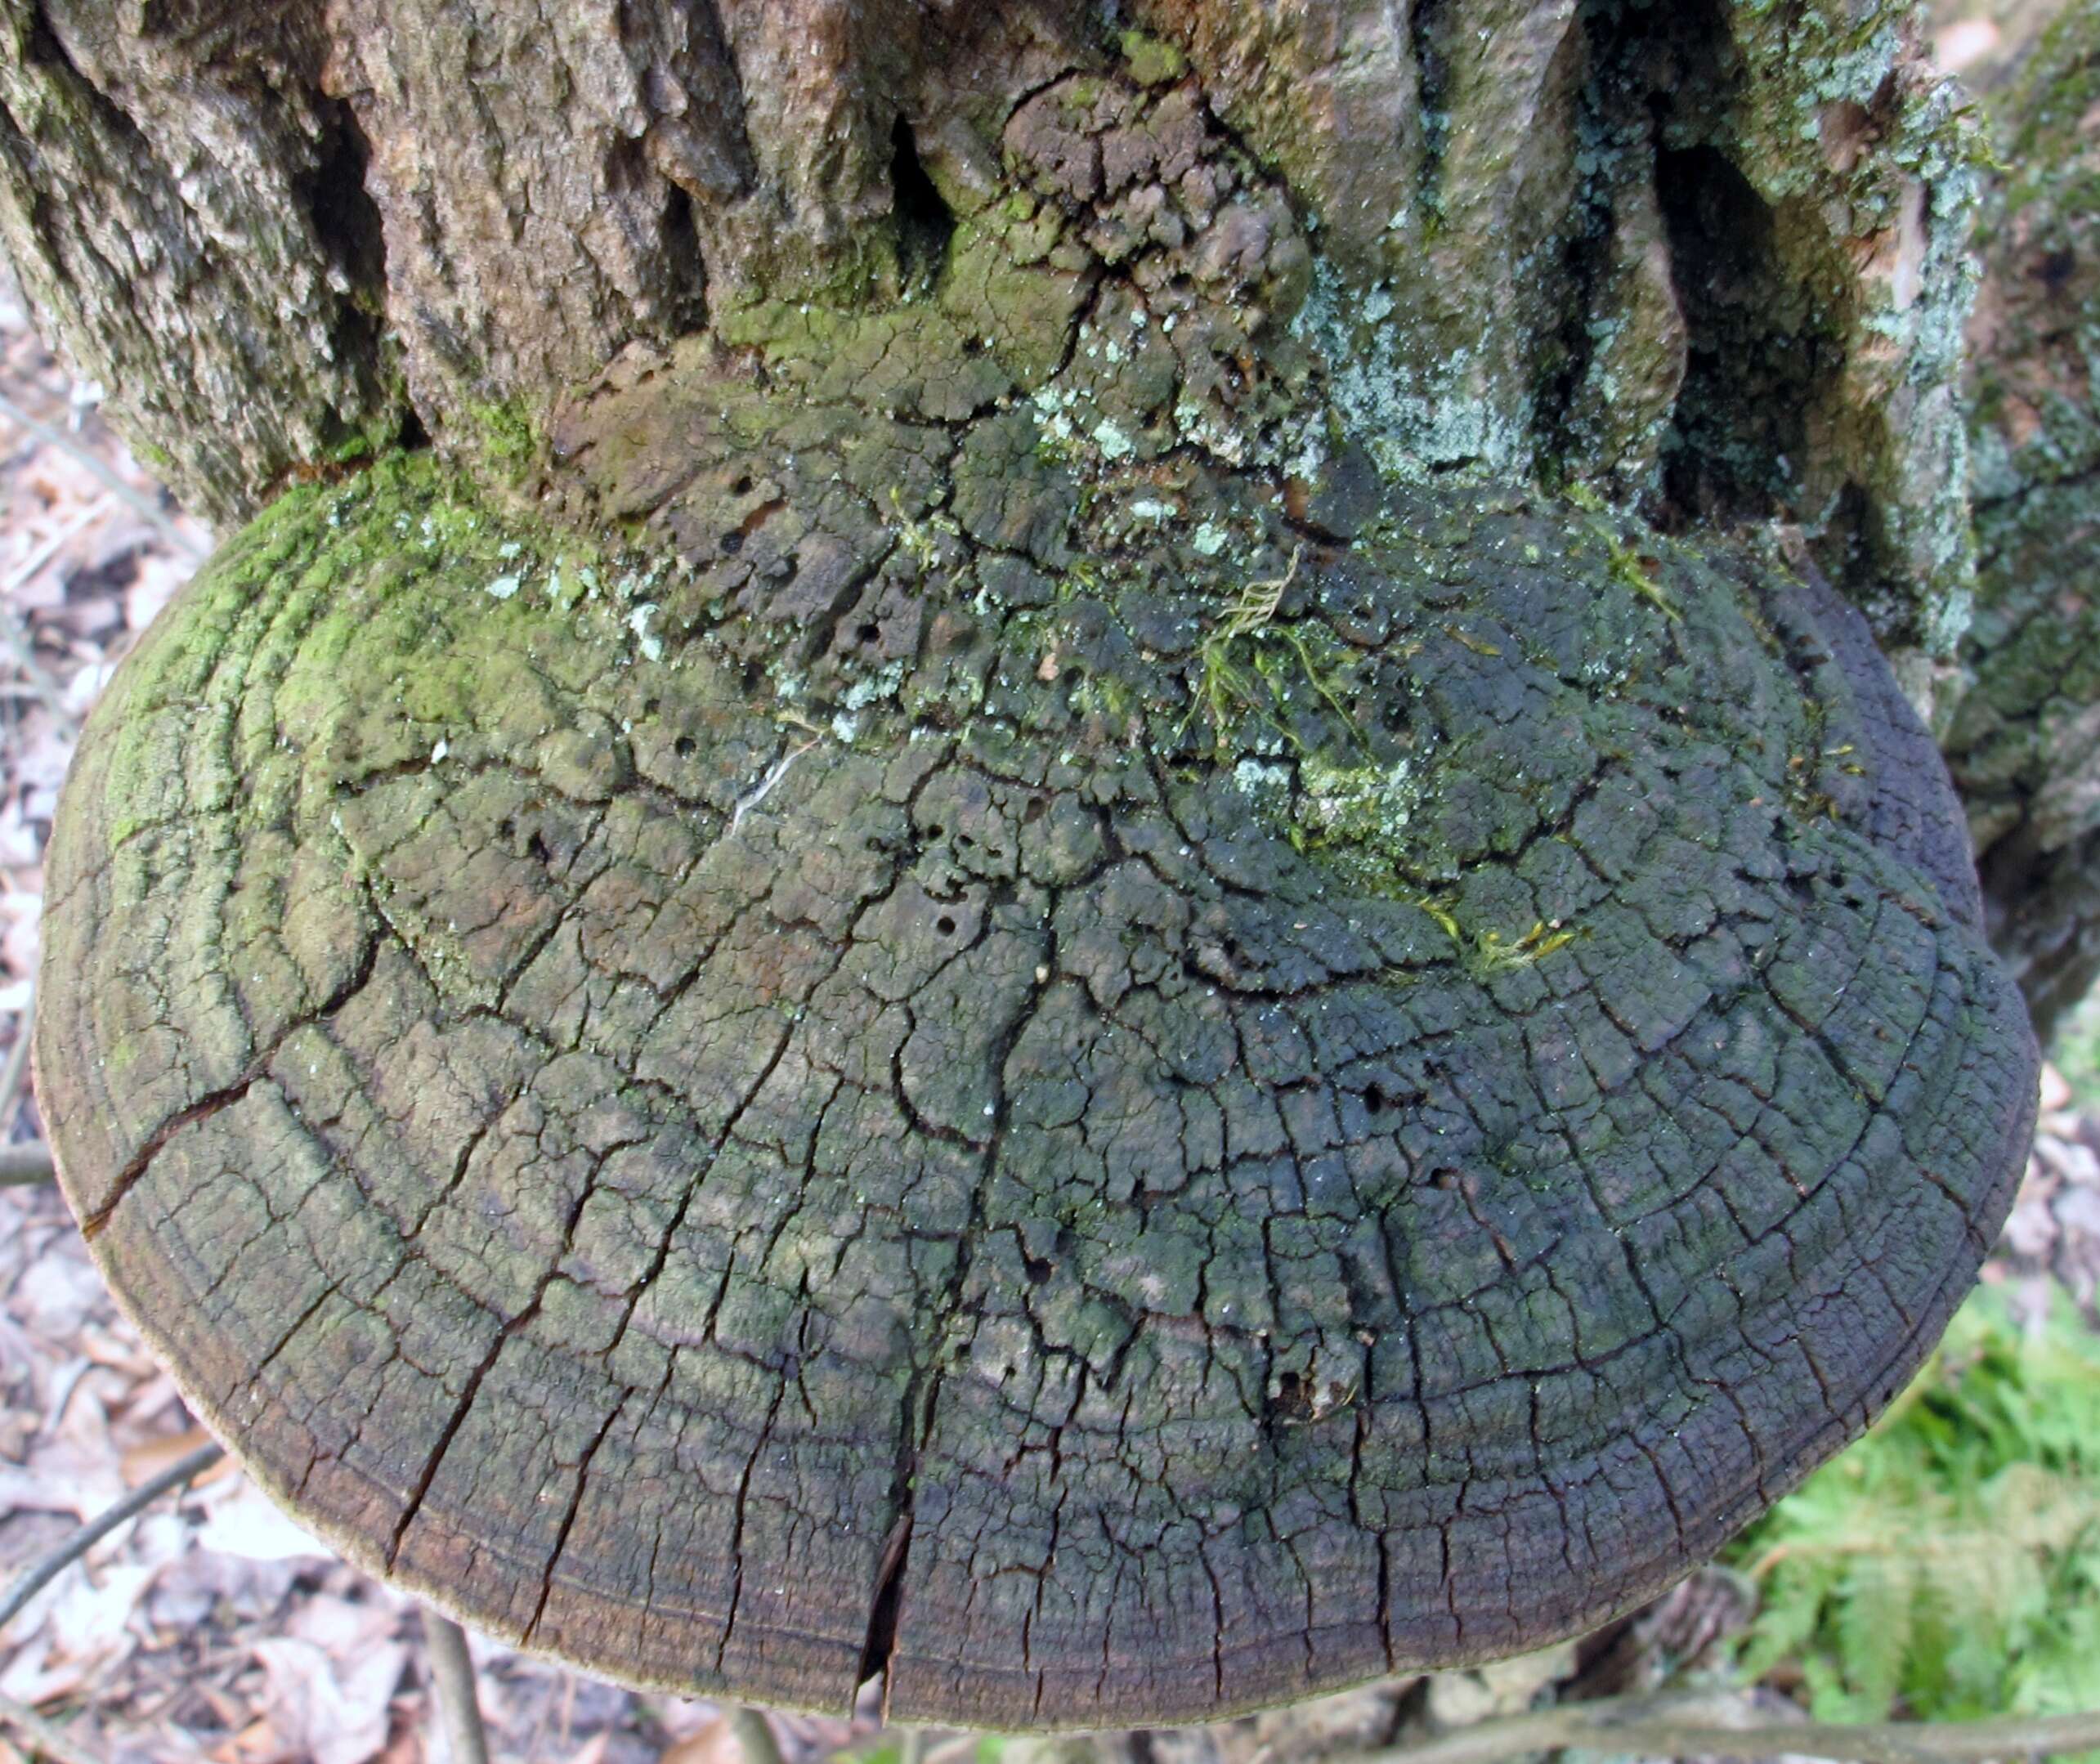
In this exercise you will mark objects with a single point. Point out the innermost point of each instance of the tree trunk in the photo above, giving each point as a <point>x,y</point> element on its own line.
<point>1704,257</point>
<point>2024,739</point>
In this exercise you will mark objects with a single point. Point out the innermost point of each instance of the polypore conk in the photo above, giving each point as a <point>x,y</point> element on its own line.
<point>1274,1150</point>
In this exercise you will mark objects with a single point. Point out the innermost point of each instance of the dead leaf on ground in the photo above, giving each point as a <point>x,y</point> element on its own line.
<point>334,1710</point>
<point>145,1460</point>
<point>714,1744</point>
<point>248,1524</point>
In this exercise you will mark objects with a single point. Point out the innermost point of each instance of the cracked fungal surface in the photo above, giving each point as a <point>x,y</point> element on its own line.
<point>1114,1092</point>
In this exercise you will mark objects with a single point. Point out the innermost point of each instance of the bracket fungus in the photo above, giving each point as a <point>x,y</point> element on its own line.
<point>1111,1084</point>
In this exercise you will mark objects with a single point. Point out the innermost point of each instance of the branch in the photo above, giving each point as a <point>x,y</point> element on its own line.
<point>452,1677</point>
<point>1692,1726</point>
<point>45,1736</point>
<point>23,1167</point>
<point>183,1471</point>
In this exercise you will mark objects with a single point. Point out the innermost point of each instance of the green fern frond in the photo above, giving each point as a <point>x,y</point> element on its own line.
<point>1948,1565</point>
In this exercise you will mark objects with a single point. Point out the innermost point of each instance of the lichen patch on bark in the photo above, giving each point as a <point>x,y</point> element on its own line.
<point>2024,738</point>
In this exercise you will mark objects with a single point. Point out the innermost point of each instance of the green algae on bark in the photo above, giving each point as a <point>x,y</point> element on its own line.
<point>801,1116</point>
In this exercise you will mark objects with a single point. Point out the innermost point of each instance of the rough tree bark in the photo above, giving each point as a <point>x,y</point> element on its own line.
<point>1705,256</point>
<point>2023,737</point>
<point>1117,908</point>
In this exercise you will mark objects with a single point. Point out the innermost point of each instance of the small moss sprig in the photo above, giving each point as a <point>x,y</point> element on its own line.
<point>1626,567</point>
<point>1233,679</point>
<point>1487,953</point>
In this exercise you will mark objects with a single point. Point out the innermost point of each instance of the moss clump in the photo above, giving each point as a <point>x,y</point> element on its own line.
<point>1248,660</point>
<point>508,442</point>
<point>1630,567</point>
<point>1151,60</point>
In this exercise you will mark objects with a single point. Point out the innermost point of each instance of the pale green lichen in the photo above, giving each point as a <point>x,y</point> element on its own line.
<point>1412,399</point>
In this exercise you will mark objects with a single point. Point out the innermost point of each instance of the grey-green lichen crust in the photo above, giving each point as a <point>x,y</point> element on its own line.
<point>1115,1092</point>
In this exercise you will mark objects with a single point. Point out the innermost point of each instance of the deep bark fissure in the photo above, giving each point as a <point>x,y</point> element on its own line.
<point>886,1603</point>
<point>1425,26</point>
<point>1602,117</point>
<point>923,221</point>
<point>345,217</point>
<point>682,244</point>
<point>1753,370</point>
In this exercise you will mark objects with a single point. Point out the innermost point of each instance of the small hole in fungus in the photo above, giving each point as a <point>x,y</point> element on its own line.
<point>537,847</point>
<point>945,924</point>
<point>868,631</point>
<point>1039,1270</point>
<point>683,747</point>
<point>742,486</point>
<point>1374,1100</point>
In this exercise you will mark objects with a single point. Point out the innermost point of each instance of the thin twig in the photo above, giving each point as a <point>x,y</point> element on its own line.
<point>754,1735</point>
<point>183,1471</point>
<point>31,566</point>
<point>17,1068</point>
<point>16,632</point>
<point>452,1677</point>
<point>44,1736</point>
<point>1693,1726</point>
<point>137,500</point>
<point>23,1167</point>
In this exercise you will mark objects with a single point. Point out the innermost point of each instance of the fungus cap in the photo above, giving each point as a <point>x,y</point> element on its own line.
<point>1113,1144</point>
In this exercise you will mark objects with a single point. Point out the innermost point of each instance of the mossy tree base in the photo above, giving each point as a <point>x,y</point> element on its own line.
<point>1706,255</point>
<point>1048,989</point>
